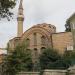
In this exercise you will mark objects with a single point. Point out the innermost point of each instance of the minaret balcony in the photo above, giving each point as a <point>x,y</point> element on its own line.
<point>20,18</point>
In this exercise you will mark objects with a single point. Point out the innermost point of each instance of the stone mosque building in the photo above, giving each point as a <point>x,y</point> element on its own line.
<point>41,36</point>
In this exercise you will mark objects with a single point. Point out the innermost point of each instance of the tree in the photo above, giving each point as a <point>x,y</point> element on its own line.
<point>47,57</point>
<point>68,26</point>
<point>5,6</point>
<point>70,57</point>
<point>19,60</point>
<point>50,59</point>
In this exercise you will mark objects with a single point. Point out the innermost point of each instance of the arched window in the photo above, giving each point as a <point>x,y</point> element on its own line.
<point>43,40</point>
<point>35,39</point>
<point>28,42</point>
<point>42,49</point>
<point>28,49</point>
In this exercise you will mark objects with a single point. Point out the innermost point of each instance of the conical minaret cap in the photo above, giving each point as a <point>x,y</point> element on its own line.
<point>21,6</point>
<point>20,11</point>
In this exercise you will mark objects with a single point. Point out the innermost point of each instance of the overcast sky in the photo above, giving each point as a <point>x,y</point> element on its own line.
<point>38,11</point>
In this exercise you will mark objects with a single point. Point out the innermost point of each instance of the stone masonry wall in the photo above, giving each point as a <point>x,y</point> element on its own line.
<point>61,40</point>
<point>28,73</point>
<point>54,72</point>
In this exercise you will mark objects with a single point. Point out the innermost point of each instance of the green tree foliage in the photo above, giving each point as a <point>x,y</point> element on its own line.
<point>69,56</point>
<point>19,60</point>
<point>5,6</point>
<point>50,59</point>
<point>67,26</point>
<point>73,57</point>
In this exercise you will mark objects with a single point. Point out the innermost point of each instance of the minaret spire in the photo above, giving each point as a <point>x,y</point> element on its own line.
<point>20,6</point>
<point>20,19</point>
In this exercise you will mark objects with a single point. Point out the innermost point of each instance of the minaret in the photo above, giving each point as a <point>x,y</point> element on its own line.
<point>20,20</point>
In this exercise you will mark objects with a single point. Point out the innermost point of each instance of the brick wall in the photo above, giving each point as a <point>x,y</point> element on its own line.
<point>61,40</point>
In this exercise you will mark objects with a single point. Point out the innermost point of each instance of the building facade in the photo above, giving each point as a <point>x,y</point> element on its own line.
<point>41,36</point>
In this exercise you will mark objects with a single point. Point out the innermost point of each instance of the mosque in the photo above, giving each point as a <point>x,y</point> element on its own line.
<point>42,36</point>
